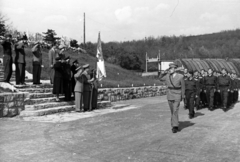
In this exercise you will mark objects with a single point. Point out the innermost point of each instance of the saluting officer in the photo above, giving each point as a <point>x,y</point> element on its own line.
<point>191,91</point>
<point>175,93</point>
<point>224,84</point>
<point>7,57</point>
<point>210,82</point>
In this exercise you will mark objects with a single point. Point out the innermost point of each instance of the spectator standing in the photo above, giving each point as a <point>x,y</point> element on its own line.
<point>7,57</point>
<point>95,85</point>
<point>52,54</point>
<point>20,61</point>
<point>87,87</point>
<point>58,78</point>
<point>67,84</point>
<point>37,63</point>
<point>78,89</point>
<point>74,71</point>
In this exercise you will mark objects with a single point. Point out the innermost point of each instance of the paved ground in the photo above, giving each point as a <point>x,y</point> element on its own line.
<point>141,133</point>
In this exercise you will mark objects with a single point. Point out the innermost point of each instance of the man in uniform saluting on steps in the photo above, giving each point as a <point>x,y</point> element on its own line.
<point>175,92</point>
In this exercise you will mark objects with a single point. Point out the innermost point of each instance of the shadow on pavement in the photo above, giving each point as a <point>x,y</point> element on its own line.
<point>185,124</point>
<point>198,114</point>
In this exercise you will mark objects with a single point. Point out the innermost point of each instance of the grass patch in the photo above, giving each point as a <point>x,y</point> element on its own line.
<point>115,74</point>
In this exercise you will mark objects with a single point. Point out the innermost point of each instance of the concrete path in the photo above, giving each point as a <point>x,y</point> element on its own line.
<point>139,133</point>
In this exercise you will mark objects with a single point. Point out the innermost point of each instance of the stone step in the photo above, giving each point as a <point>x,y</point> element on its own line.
<point>36,90</point>
<point>42,100</point>
<point>46,111</point>
<point>40,95</point>
<point>47,105</point>
<point>44,85</point>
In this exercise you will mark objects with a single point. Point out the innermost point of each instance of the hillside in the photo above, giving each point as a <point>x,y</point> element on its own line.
<point>131,54</point>
<point>115,74</point>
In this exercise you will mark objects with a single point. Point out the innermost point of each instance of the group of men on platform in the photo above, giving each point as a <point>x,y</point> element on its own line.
<point>20,63</point>
<point>84,85</point>
<point>73,79</point>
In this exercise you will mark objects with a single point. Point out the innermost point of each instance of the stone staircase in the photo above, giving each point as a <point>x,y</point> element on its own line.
<point>40,101</point>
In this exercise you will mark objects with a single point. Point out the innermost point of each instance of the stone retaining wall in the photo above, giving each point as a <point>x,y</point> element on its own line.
<point>117,94</point>
<point>11,104</point>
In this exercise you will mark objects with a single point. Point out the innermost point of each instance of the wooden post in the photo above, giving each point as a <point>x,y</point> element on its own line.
<point>84,36</point>
<point>146,62</point>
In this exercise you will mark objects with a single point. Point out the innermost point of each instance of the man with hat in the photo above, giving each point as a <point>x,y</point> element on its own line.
<point>7,57</point>
<point>175,92</point>
<point>37,63</point>
<point>74,71</point>
<point>78,89</point>
<point>87,87</point>
<point>20,61</point>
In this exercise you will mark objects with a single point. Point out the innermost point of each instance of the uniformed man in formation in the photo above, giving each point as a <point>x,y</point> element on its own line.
<point>214,90</point>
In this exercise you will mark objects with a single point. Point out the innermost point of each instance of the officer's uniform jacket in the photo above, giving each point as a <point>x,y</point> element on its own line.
<point>224,82</point>
<point>175,86</point>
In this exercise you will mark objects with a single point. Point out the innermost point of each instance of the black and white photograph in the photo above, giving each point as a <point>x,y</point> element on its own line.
<point>119,81</point>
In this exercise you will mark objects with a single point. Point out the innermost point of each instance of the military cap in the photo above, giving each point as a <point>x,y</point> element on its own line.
<point>86,66</point>
<point>67,58</point>
<point>80,67</point>
<point>173,65</point>
<point>75,61</point>
<point>58,58</point>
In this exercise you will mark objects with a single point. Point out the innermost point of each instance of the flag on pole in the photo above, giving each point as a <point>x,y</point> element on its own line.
<point>101,71</point>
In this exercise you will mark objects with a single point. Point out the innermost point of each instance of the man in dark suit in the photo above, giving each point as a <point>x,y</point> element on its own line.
<point>175,92</point>
<point>7,57</point>
<point>20,61</point>
<point>37,63</point>
<point>87,87</point>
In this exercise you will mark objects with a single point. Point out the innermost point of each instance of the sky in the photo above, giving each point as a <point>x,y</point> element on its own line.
<point>122,20</point>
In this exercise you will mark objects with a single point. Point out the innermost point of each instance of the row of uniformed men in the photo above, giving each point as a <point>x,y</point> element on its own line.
<point>210,89</point>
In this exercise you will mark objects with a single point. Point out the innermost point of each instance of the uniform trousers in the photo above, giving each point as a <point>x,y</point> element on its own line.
<point>203,97</point>
<point>37,69</point>
<point>52,73</point>
<point>224,96</point>
<point>217,99</point>
<point>94,98</point>
<point>230,98</point>
<point>78,101</point>
<point>7,65</point>
<point>87,100</point>
<point>190,98</point>
<point>174,106</point>
<point>236,96</point>
<point>20,73</point>
<point>210,95</point>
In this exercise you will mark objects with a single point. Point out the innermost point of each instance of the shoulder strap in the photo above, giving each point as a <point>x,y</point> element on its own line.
<point>171,81</point>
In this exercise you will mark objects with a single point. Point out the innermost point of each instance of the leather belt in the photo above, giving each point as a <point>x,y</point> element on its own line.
<point>175,88</point>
